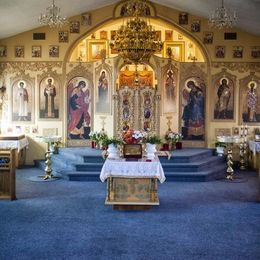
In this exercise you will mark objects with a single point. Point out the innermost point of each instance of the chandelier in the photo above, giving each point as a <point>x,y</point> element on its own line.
<point>52,17</point>
<point>221,18</point>
<point>136,40</point>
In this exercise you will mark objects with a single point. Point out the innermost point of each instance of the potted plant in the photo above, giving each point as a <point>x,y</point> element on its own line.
<point>257,134</point>
<point>151,141</point>
<point>174,138</point>
<point>54,147</point>
<point>220,148</point>
<point>93,138</point>
<point>179,142</point>
<point>97,138</point>
<point>111,144</point>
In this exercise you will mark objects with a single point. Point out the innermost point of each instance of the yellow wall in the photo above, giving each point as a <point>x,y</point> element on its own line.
<point>35,67</point>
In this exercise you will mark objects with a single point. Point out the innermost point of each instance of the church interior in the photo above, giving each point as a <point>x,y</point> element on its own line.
<point>168,91</point>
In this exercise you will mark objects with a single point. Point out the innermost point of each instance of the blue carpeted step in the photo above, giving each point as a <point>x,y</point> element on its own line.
<point>95,159</point>
<point>200,165</point>
<point>187,155</point>
<point>82,176</point>
<point>211,174</point>
<point>94,166</point>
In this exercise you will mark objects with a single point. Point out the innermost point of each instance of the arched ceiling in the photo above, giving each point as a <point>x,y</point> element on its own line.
<point>17,16</point>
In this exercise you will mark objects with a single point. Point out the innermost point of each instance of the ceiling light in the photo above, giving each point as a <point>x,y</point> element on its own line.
<point>222,18</point>
<point>52,17</point>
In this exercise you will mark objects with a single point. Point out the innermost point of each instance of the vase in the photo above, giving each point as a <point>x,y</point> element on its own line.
<point>173,146</point>
<point>112,152</point>
<point>150,150</point>
<point>93,144</point>
<point>220,150</point>
<point>165,147</point>
<point>178,145</point>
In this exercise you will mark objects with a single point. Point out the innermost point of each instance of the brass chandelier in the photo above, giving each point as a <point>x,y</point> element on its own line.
<point>136,41</point>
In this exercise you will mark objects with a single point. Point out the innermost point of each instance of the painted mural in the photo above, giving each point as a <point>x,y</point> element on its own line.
<point>22,103</point>
<point>224,99</point>
<point>250,102</point>
<point>49,98</point>
<point>103,93</point>
<point>193,109</point>
<point>79,108</point>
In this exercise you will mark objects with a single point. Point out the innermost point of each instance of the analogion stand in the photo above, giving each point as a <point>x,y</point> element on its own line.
<point>48,169</point>
<point>132,185</point>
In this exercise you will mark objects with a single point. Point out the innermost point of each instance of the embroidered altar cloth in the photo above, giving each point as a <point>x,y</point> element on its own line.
<point>14,142</point>
<point>132,169</point>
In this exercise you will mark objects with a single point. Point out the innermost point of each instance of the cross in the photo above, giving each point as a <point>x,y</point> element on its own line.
<point>79,59</point>
<point>169,122</point>
<point>193,58</point>
<point>103,122</point>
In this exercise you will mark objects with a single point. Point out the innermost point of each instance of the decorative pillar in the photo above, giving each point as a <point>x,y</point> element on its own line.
<point>115,113</point>
<point>157,113</point>
<point>230,170</point>
<point>136,123</point>
<point>243,148</point>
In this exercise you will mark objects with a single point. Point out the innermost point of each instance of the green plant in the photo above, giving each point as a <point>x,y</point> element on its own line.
<point>173,137</point>
<point>106,141</point>
<point>257,131</point>
<point>220,144</point>
<point>153,139</point>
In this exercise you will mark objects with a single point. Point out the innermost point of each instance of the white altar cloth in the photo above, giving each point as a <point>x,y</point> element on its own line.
<point>254,147</point>
<point>14,144</point>
<point>134,169</point>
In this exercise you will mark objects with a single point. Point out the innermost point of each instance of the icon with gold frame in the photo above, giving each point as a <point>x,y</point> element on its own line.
<point>103,35</point>
<point>95,47</point>
<point>168,35</point>
<point>178,50</point>
<point>3,51</point>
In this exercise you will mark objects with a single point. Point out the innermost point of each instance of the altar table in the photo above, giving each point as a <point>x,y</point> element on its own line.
<point>19,142</point>
<point>132,184</point>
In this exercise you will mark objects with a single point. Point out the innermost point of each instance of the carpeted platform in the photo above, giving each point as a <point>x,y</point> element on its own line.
<point>68,220</point>
<point>189,164</point>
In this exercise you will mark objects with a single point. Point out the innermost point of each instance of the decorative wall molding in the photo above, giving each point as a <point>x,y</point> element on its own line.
<point>237,66</point>
<point>80,70</point>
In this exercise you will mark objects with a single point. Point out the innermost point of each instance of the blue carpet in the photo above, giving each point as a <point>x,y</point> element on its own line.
<point>68,220</point>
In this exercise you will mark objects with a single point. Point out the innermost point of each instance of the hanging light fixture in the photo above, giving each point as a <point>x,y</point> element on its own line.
<point>136,40</point>
<point>221,18</point>
<point>52,17</point>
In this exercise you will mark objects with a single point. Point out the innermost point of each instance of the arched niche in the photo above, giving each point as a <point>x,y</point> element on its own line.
<point>184,46</point>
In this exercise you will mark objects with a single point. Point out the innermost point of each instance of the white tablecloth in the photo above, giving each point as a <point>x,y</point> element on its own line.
<point>14,144</point>
<point>48,139</point>
<point>135,169</point>
<point>254,147</point>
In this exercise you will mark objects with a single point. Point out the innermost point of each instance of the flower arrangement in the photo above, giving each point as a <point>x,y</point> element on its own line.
<point>112,140</point>
<point>153,139</point>
<point>98,137</point>
<point>173,137</point>
<point>133,136</point>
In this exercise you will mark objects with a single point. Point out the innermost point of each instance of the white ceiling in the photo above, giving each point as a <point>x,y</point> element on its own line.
<point>17,16</point>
